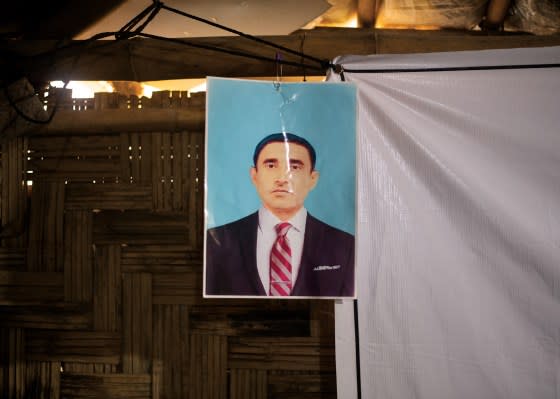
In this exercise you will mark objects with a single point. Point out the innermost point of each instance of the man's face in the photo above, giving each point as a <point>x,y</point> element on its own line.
<point>283,177</point>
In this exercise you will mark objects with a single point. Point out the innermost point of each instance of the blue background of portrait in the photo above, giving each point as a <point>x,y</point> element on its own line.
<point>241,112</point>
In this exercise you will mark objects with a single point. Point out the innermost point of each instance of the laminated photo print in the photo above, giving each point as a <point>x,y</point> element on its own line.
<point>280,189</point>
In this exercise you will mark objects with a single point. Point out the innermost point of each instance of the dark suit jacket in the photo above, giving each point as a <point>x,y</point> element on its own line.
<point>326,269</point>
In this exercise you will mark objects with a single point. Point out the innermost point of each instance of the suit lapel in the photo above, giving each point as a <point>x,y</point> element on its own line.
<point>248,242</point>
<point>308,255</point>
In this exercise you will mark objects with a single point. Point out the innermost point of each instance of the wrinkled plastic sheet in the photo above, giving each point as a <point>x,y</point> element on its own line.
<point>458,229</point>
<point>540,17</point>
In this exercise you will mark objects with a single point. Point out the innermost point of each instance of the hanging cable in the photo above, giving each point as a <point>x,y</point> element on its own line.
<point>324,63</point>
<point>445,69</point>
<point>230,52</point>
<point>149,14</point>
<point>135,27</point>
<point>301,61</point>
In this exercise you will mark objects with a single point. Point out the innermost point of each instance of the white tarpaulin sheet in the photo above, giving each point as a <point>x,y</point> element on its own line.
<point>458,228</point>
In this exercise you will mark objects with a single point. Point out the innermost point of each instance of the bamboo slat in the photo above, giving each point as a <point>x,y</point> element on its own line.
<point>117,121</point>
<point>157,369</point>
<point>136,157</point>
<point>193,187</point>
<point>167,175</point>
<point>13,259</point>
<point>137,322</point>
<point>177,288</point>
<point>42,380</point>
<point>95,145</point>
<point>78,263</point>
<point>78,368</point>
<point>160,259</point>
<point>285,384</point>
<point>250,320</point>
<point>12,364</point>
<point>14,192</point>
<point>56,316</point>
<point>208,366</point>
<point>107,288</point>
<point>283,353</point>
<point>73,346</point>
<point>84,170</point>
<point>45,251</point>
<point>75,158</point>
<point>140,228</point>
<point>197,100</point>
<point>171,348</point>
<point>171,157</point>
<point>114,386</point>
<point>169,99</point>
<point>322,319</point>
<point>108,196</point>
<point>28,288</point>
<point>110,100</point>
<point>248,384</point>
<point>157,171</point>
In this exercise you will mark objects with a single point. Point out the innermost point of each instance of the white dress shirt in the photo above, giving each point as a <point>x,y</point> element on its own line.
<point>266,235</point>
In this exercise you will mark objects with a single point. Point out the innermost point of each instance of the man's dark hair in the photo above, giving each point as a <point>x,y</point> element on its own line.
<point>285,138</point>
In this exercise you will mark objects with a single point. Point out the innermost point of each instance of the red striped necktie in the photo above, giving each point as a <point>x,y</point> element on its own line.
<point>281,262</point>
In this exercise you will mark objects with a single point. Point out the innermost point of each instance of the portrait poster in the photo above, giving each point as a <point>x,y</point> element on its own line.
<point>280,184</point>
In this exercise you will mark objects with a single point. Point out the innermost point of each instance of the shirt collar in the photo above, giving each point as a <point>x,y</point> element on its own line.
<point>267,220</point>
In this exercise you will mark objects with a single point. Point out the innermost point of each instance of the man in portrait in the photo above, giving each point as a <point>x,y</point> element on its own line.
<point>281,249</point>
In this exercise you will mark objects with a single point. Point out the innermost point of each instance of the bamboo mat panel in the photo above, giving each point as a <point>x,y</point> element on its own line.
<point>289,385</point>
<point>169,99</point>
<point>114,386</point>
<point>177,169</point>
<point>78,262</point>
<point>46,227</point>
<point>321,319</point>
<point>177,288</point>
<point>137,322</point>
<point>136,158</point>
<point>13,259</point>
<point>101,273</point>
<point>42,380</point>
<point>251,321</point>
<point>107,288</point>
<point>166,258</point>
<point>93,158</point>
<point>74,346</point>
<point>30,288</point>
<point>14,192</point>
<point>108,196</point>
<point>248,384</point>
<point>12,362</point>
<point>171,348</point>
<point>140,228</point>
<point>208,367</point>
<point>55,316</point>
<point>288,353</point>
<point>193,186</point>
<point>78,368</point>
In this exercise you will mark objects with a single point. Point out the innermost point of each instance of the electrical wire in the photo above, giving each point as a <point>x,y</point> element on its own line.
<point>230,52</point>
<point>324,63</point>
<point>445,69</point>
<point>135,27</point>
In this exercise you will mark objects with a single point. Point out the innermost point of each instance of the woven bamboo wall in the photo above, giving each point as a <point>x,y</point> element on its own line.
<point>101,275</point>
